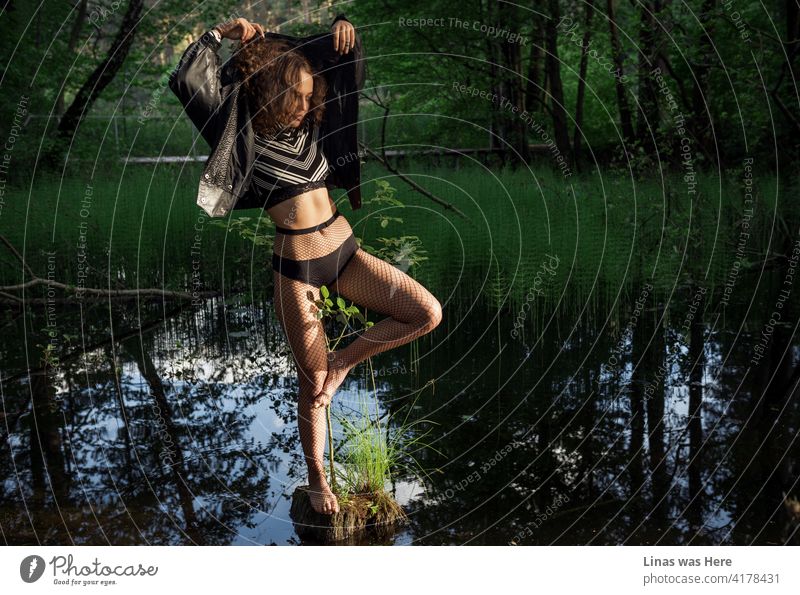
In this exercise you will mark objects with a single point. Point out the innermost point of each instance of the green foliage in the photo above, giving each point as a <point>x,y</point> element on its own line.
<point>247,228</point>
<point>339,311</point>
<point>405,252</point>
<point>497,286</point>
<point>384,197</point>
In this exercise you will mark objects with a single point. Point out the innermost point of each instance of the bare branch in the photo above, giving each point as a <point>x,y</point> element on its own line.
<point>36,280</point>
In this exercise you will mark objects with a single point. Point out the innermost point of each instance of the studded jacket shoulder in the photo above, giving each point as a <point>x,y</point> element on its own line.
<point>210,95</point>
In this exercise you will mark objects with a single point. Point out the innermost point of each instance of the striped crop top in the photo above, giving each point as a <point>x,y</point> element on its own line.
<point>289,163</point>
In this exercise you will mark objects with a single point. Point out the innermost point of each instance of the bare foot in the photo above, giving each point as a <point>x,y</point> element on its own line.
<point>323,500</point>
<point>338,369</point>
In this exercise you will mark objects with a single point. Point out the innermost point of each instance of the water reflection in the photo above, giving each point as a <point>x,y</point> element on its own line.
<point>182,429</point>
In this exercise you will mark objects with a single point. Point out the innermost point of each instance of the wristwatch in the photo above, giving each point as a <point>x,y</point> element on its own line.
<point>217,35</point>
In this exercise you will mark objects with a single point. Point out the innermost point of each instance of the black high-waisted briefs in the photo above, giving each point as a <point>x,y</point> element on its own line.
<point>324,270</point>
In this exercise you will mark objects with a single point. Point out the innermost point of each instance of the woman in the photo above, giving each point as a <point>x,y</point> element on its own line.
<point>314,244</point>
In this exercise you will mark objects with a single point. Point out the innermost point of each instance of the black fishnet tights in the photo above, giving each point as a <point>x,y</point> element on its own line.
<point>370,283</point>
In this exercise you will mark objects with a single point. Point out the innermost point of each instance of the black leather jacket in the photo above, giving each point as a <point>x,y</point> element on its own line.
<point>211,97</point>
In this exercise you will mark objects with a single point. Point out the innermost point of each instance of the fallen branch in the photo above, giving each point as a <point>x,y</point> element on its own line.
<point>76,299</point>
<point>109,292</point>
<point>84,349</point>
<point>93,291</point>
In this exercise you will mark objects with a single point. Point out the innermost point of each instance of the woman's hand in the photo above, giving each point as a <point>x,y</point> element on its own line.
<point>240,29</point>
<point>344,36</point>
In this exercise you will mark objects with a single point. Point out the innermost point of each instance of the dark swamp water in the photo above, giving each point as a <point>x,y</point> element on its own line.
<point>665,419</point>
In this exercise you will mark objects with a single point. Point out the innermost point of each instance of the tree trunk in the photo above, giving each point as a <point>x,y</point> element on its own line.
<point>649,49</point>
<point>553,69</point>
<point>587,38</point>
<point>625,120</point>
<point>655,407</point>
<point>102,76</point>
<point>533,95</point>
<point>696,442</point>
<point>74,35</point>
<point>701,112</point>
<point>792,36</point>
<point>512,57</point>
<point>496,127</point>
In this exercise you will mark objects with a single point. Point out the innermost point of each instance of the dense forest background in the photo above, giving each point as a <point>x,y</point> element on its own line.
<point>601,195</point>
<point>699,83</point>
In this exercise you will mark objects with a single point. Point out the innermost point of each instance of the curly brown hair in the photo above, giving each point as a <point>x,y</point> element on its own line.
<point>269,69</point>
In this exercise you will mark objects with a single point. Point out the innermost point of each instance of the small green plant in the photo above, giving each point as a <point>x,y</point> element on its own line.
<point>371,451</point>
<point>343,313</point>
<point>247,228</point>
<point>496,290</point>
<point>384,198</point>
<point>497,286</point>
<point>404,252</point>
<point>340,312</point>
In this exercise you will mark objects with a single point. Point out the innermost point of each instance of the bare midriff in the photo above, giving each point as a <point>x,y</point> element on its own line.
<point>304,210</point>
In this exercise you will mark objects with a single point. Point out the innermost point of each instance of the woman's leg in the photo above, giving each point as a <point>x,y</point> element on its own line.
<point>306,336</point>
<point>377,285</point>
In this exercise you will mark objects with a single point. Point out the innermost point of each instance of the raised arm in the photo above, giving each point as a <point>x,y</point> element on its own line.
<point>196,79</point>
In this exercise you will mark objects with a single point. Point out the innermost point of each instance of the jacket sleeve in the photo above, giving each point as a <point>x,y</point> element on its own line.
<point>345,74</point>
<point>357,56</point>
<point>196,83</point>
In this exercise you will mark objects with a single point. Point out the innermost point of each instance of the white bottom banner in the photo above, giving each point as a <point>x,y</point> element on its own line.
<point>335,570</point>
